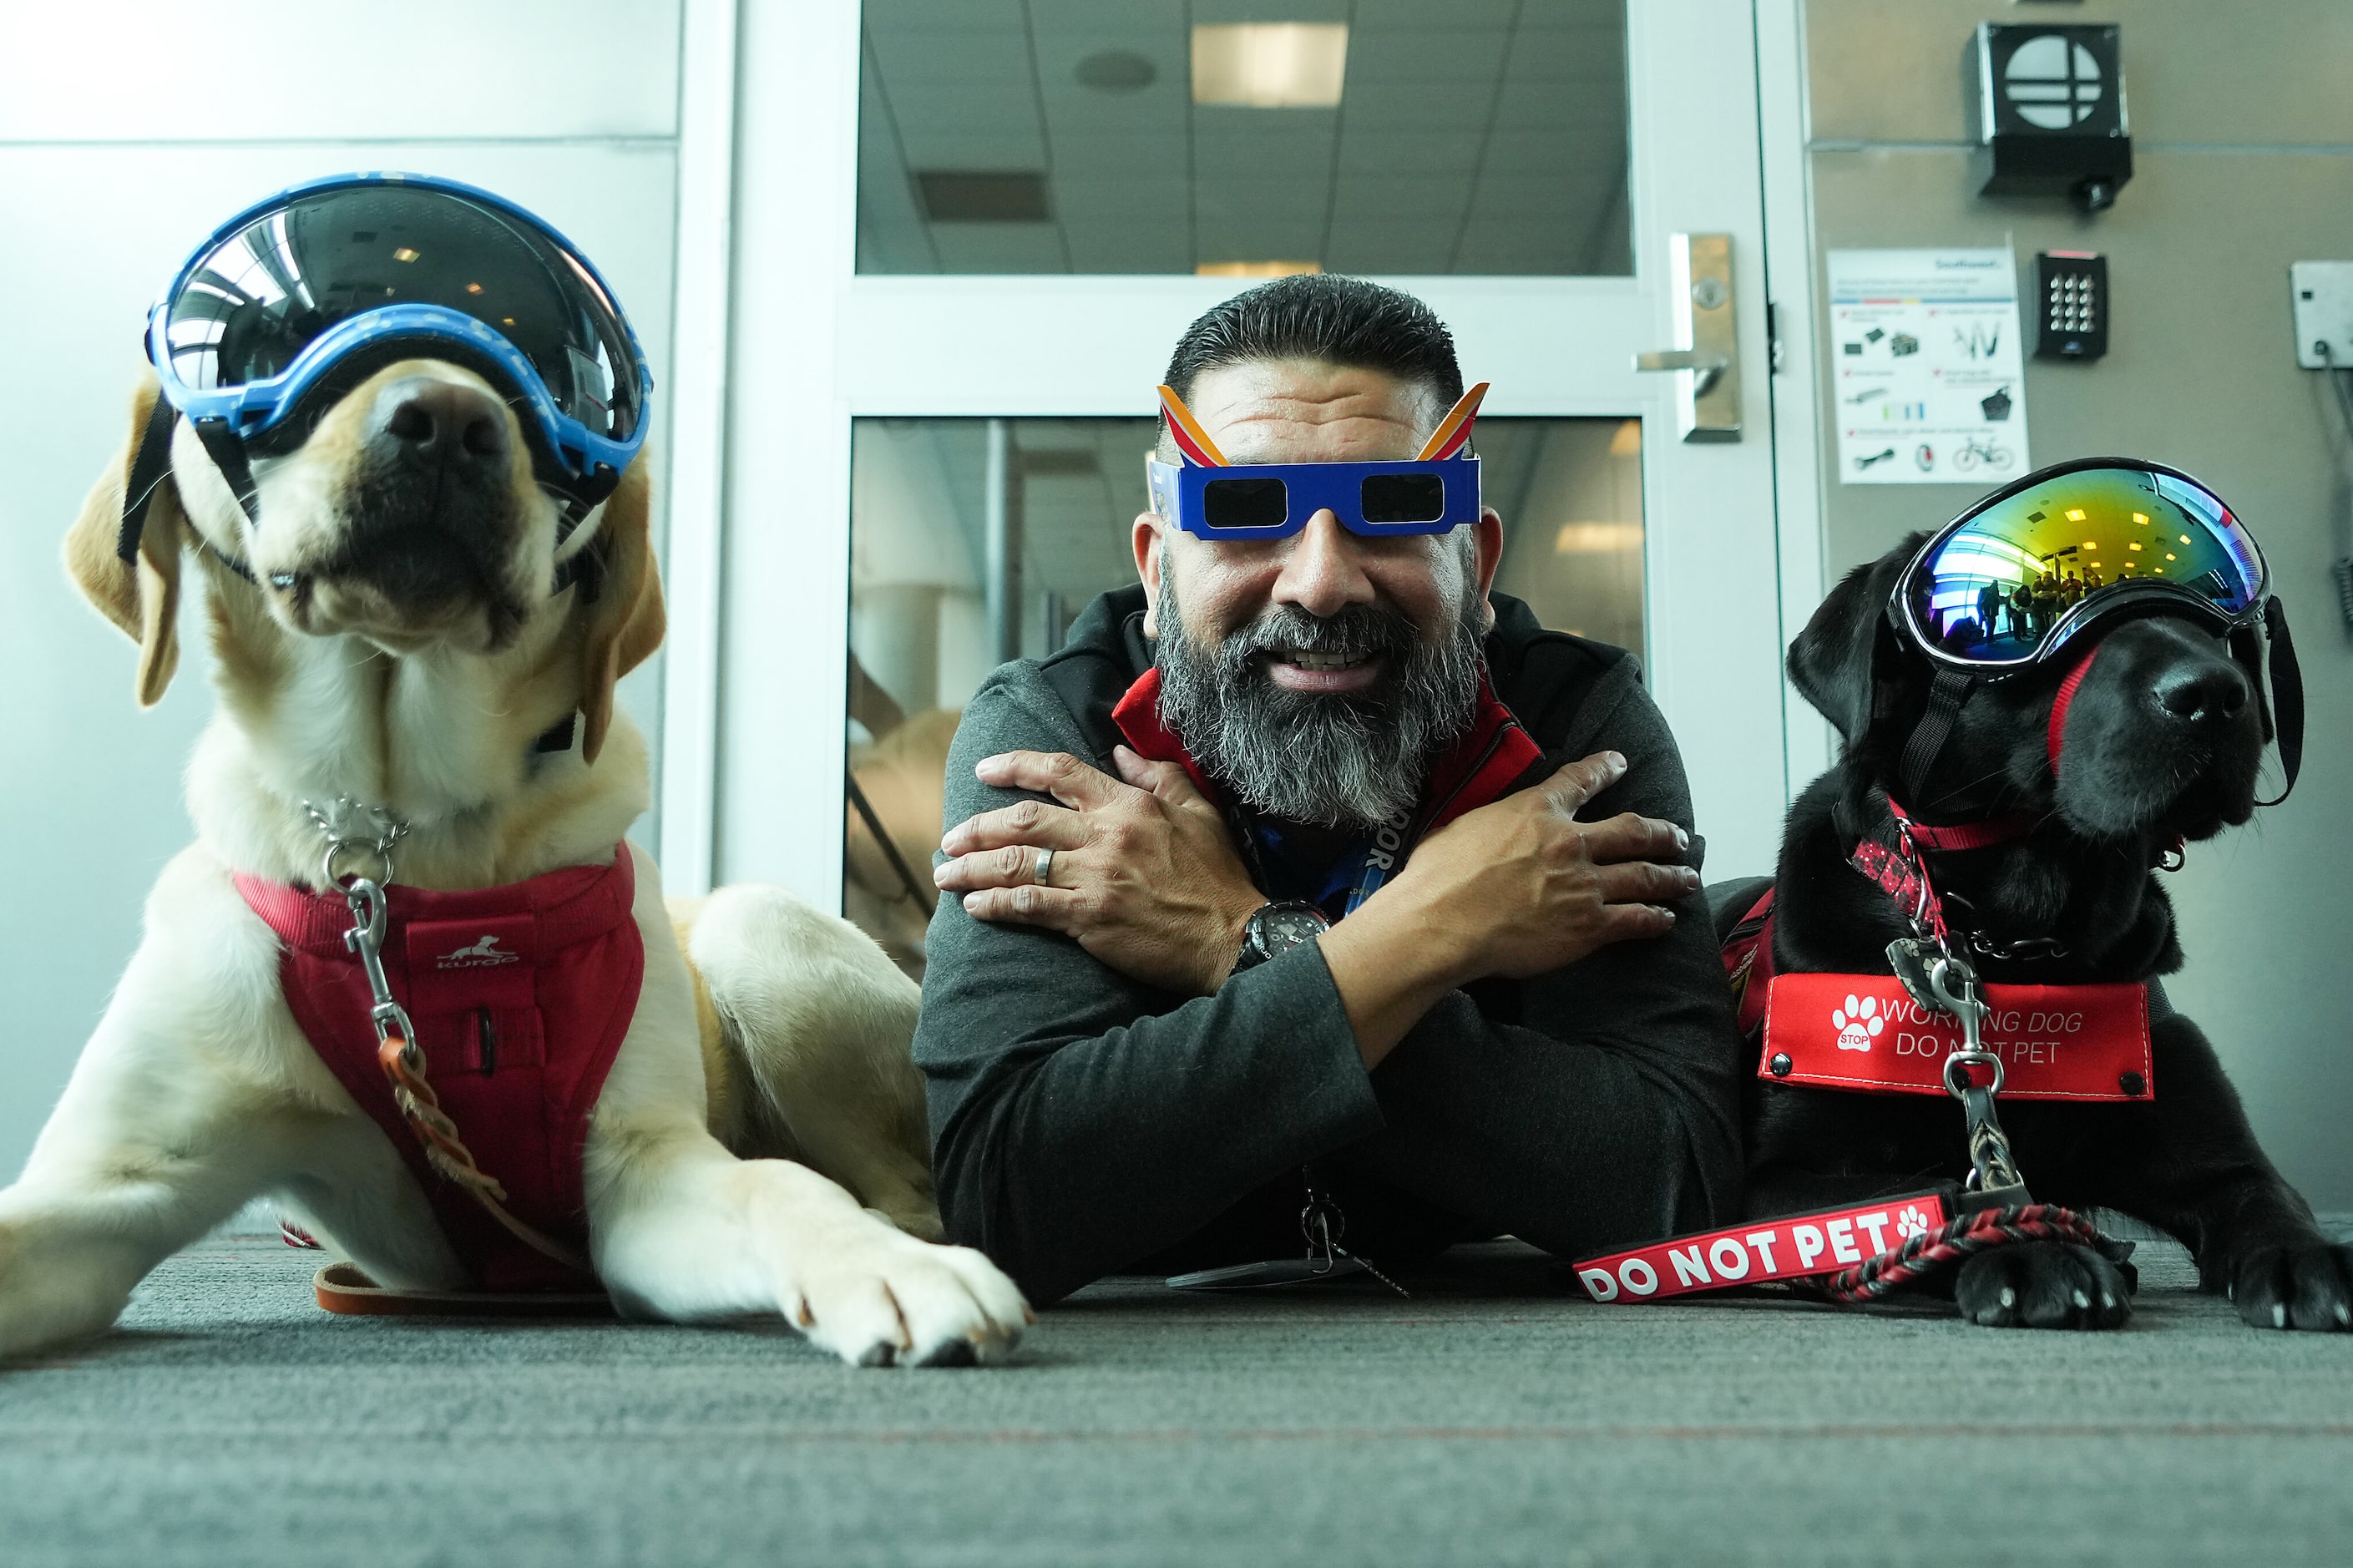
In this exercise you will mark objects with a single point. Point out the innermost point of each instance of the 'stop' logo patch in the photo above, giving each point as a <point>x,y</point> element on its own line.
<point>483,955</point>
<point>1857,1023</point>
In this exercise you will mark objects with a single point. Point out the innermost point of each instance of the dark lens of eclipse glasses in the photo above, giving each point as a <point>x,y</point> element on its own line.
<point>2000,589</point>
<point>1244,503</point>
<point>1403,498</point>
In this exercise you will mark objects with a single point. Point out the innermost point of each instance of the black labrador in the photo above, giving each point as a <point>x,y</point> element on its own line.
<point>2163,741</point>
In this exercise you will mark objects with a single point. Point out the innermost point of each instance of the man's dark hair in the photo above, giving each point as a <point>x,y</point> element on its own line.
<point>1318,316</point>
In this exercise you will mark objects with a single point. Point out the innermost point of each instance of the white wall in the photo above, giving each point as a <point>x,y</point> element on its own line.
<point>128,129</point>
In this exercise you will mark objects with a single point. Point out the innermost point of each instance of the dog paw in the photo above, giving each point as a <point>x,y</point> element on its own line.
<point>2295,1288</point>
<point>891,1301</point>
<point>2043,1285</point>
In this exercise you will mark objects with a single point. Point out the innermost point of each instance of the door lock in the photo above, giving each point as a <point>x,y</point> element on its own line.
<point>1707,351</point>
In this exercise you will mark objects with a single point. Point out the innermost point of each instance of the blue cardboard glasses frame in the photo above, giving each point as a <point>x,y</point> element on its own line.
<point>1275,501</point>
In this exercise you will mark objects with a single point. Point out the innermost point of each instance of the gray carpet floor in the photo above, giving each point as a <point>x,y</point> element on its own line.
<point>1490,1419</point>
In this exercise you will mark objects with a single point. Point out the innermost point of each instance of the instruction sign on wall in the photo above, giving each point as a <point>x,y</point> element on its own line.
<point>1928,386</point>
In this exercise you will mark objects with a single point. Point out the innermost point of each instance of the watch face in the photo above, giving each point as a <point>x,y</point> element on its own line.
<point>1285,926</point>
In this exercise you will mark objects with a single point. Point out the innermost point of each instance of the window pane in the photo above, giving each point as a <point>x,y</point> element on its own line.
<point>1482,136</point>
<point>942,510</point>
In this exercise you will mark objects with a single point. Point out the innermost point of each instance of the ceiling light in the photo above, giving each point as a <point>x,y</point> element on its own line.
<point>2141,518</point>
<point>405,254</point>
<point>982,196</point>
<point>2132,547</point>
<point>2168,555</point>
<point>2091,545</point>
<point>2074,514</point>
<point>1597,538</point>
<point>1117,71</point>
<point>2185,539</point>
<point>473,288</point>
<point>1255,268</point>
<point>1270,65</point>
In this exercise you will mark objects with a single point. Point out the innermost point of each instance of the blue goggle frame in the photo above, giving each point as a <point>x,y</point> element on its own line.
<point>1190,496</point>
<point>251,408</point>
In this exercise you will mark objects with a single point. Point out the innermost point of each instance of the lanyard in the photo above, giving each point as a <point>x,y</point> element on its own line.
<point>1359,871</point>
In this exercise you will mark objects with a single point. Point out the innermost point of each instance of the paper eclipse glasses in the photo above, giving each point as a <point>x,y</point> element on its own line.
<point>1209,498</point>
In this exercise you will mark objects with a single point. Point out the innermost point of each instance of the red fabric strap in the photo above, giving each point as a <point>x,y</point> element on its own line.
<point>1795,1247</point>
<point>1748,963</point>
<point>2063,700</point>
<point>1979,835</point>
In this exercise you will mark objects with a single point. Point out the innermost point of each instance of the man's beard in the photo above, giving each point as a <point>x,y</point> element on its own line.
<point>1355,759</point>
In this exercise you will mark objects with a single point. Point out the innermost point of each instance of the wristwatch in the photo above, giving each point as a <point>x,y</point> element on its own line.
<point>1276,928</point>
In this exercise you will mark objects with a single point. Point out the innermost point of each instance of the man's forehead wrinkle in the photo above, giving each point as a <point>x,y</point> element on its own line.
<point>1354,437</point>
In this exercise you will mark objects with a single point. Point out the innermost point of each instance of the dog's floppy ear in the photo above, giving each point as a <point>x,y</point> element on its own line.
<point>1848,650</point>
<point>626,623</point>
<point>141,595</point>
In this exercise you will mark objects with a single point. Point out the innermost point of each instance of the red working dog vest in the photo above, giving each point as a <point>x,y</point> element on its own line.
<point>520,995</point>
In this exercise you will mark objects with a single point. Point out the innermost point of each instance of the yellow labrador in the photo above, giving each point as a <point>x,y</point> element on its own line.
<point>399,643</point>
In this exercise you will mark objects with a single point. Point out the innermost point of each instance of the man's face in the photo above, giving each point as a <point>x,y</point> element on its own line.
<point>1316,675</point>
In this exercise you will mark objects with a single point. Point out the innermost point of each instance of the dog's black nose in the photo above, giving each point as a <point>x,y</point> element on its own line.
<point>2207,690</point>
<point>426,419</point>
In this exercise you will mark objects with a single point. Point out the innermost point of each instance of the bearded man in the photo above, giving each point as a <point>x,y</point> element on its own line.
<point>1310,887</point>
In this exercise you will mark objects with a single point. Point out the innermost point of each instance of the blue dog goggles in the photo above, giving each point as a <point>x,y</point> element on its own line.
<point>299,298</point>
<point>1209,498</point>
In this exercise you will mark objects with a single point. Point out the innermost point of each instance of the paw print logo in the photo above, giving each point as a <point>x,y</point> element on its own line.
<point>1857,1023</point>
<point>1911,1223</point>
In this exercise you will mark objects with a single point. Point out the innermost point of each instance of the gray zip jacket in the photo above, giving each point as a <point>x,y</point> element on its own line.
<point>1082,1121</point>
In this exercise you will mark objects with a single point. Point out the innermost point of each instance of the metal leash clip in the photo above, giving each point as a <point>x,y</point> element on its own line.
<point>1940,979</point>
<point>1994,1179</point>
<point>353,830</point>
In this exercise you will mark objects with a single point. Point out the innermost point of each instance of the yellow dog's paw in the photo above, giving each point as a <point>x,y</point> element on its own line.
<point>891,1301</point>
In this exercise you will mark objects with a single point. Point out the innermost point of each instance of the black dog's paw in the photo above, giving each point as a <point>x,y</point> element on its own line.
<point>2042,1285</point>
<point>2295,1288</point>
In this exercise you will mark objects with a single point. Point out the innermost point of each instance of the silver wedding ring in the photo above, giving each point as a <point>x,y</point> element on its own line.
<point>1045,871</point>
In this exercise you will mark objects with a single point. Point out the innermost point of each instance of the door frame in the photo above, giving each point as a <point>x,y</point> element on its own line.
<point>758,570</point>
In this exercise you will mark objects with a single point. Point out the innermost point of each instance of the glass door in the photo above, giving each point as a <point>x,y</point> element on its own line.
<point>1038,195</point>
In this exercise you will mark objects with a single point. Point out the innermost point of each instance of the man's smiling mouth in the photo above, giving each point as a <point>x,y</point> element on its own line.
<point>1306,660</point>
<point>1330,674</point>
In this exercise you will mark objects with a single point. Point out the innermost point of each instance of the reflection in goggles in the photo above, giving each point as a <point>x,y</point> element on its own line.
<point>2003,581</point>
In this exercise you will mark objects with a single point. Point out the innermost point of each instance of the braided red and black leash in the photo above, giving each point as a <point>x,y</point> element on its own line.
<point>1950,1245</point>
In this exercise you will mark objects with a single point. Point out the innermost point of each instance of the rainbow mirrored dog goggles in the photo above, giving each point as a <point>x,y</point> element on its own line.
<point>1209,498</point>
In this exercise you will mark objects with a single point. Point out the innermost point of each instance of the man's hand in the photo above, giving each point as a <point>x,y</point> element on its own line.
<point>1144,875</point>
<point>1522,887</point>
<point>1513,888</point>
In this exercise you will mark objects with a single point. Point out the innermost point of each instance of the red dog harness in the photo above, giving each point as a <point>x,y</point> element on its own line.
<point>520,995</point>
<point>1870,1032</point>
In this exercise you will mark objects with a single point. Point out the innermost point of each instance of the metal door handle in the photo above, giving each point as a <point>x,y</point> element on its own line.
<point>1699,286</point>
<point>1709,365</point>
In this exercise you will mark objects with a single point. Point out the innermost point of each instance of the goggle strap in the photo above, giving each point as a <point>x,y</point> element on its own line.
<point>1453,432</point>
<point>2287,690</point>
<point>1946,695</point>
<point>1185,431</point>
<point>223,446</point>
<point>2063,700</point>
<point>150,465</point>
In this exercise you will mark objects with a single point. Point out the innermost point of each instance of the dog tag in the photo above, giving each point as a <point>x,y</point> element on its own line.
<point>1908,956</point>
